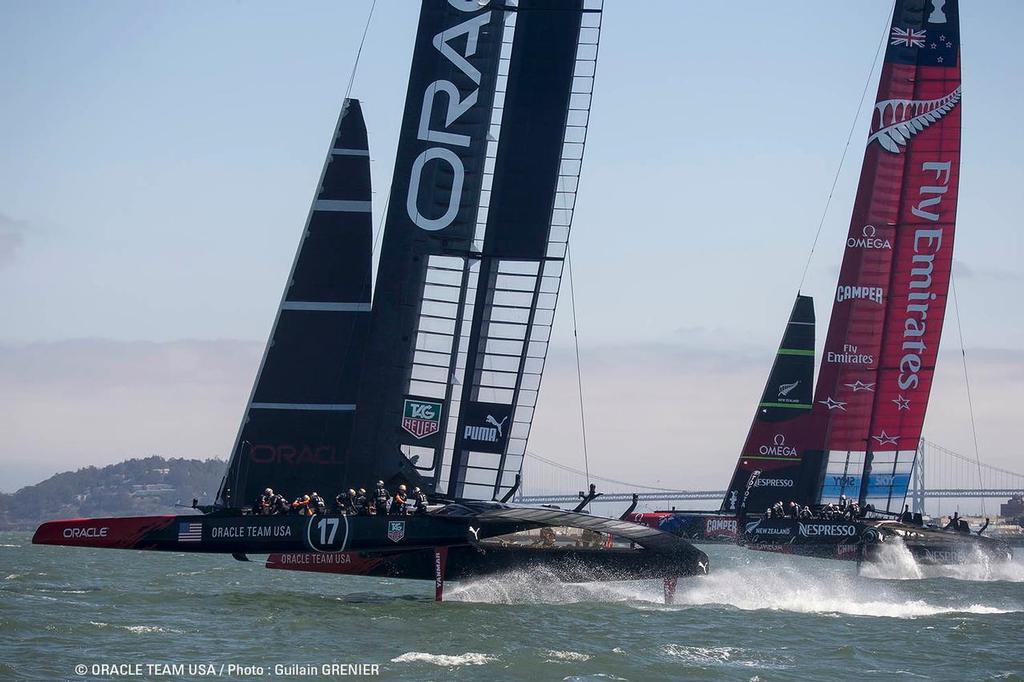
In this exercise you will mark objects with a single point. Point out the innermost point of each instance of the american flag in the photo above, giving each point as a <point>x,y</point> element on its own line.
<point>907,37</point>
<point>190,532</point>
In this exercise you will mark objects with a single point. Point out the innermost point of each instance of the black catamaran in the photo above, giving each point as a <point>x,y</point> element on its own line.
<point>433,380</point>
<point>855,437</point>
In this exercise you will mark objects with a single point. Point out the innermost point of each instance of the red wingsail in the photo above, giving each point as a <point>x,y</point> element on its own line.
<point>888,309</point>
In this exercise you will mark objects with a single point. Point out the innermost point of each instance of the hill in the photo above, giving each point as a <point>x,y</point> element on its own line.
<point>151,485</point>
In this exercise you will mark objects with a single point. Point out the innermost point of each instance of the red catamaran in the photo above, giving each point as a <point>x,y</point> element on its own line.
<point>857,436</point>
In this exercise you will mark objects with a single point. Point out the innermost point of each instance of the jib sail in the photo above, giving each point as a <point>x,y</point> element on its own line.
<point>781,440</point>
<point>887,315</point>
<point>482,199</point>
<point>298,421</point>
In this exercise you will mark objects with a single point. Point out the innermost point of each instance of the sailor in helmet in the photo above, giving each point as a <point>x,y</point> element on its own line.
<point>316,504</point>
<point>398,504</point>
<point>381,497</point>
<point>264,505</point>
<point>362,506</point>
<point>420,497</point>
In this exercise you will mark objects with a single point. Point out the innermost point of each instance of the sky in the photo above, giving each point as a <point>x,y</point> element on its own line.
<point>159,159</point>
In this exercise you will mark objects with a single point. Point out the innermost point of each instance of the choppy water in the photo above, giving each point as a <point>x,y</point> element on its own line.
<point>757,617</point>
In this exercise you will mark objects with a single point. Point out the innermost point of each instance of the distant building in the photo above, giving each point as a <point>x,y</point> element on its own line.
<point>1014,507</point>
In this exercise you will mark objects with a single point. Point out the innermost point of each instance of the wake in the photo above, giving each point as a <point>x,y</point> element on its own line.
<point>794,587</point>
<point>895,562</point>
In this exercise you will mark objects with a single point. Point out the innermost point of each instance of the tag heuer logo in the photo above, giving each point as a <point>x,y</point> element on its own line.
<point>396,530</point>
<point>421,418</point>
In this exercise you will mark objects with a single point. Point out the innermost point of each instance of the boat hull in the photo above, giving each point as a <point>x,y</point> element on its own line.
<point>865,540</point>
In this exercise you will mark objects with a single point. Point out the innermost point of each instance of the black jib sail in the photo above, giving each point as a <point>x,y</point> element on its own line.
<point>781,427</point>
<point>477,228</point>
<point>298,422</point>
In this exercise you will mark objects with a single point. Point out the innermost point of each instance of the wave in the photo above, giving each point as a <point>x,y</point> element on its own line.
<point>138,629</point>
<point>895,562</point>
<point>725,656</point>
<point>785,588</point>
<point>540,586</point>
<point>444,660</point>
<point>555,656</point>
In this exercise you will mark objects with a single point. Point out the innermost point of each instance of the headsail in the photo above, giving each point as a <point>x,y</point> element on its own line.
<point>781,438</point>
<point>298,422</point>
<point>483,194</point>
<point>883,337</point>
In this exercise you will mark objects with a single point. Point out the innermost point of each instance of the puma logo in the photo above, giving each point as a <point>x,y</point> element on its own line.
<point>494,422</point>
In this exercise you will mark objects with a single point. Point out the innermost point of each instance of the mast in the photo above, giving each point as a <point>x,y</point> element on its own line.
<point>890,301</point>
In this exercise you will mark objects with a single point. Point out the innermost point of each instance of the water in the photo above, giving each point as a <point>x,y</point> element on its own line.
<point>756,617</point>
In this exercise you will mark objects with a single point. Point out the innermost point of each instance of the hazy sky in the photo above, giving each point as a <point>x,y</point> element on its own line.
<point>158,160</point>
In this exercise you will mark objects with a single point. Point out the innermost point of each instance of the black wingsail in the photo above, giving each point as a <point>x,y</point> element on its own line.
<point>298,423</point>
<point>482,199</point>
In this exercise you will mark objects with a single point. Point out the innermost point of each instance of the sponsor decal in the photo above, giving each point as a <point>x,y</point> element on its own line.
<point>190,532</point>
<point>444,107</point>
<point>811,530</point>
<point>850,355</point>
<point>885,439</point>
<point>421,418</point>
<point>86,532</point>
<point>945,556</point>
<point>774,483</point>
<point>773,530</point>
<point>869,239</point>
<point>778,448</point>
<point>246,532</point>
<point>396,530</point>
<point>833,404</point>
<point>485,426</point>
<point>267,453</point>
<point>720,527</point>
<point>337,559</point>
<point>860,386</point>
<point>927,244</point>
<point>848,292</point>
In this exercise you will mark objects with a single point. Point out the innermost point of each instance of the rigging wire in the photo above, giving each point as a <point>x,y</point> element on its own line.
<point>842,159</point>
<point>355,64</point>
<point>967,383</point>
<point>579,373</point>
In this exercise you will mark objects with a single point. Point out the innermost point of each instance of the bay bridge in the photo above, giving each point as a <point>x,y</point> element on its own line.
<point>939,474</point>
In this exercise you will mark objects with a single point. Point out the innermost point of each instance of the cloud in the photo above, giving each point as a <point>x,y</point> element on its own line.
<point>96,401</point>
<point>11,238</point>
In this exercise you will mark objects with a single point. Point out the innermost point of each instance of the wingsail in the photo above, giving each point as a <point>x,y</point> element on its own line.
<point>297,424</point>
<point>482,200</point>
<point>883,338</point>
<point>780,443</point>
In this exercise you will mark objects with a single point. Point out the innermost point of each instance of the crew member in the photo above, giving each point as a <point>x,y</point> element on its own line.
<point>301,505</point>
<point>805,513</point>
<point>263,504</point>
<point>316,504</point>
<point>346,502</point>
<point>420,497</point>
<point>280,505</point>
<point>362,505</point>
<point>398,504</point>
<point>380,498</point>
<point>547,536</point>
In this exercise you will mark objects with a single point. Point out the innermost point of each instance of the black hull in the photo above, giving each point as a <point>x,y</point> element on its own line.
<point>399,546</point>
<point>464,562</point>
<point>866,540</point>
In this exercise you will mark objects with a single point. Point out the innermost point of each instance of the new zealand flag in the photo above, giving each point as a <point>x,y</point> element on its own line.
<point>924,32</point>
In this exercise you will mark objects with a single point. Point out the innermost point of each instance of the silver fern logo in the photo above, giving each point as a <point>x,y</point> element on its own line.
<point>901,119</point>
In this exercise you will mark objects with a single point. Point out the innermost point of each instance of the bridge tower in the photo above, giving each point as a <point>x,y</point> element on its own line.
<point>917,491</point>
